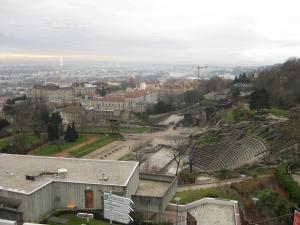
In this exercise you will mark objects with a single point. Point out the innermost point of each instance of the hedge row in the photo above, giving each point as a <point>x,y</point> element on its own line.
<point>286,181</point>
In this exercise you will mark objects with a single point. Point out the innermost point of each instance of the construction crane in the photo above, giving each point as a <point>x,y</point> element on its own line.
<point>198,69</point>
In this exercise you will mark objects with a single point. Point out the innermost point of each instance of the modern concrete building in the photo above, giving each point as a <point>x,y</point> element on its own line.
<point>154,193</point>
<point>207,211</point>
<point>32,187</point>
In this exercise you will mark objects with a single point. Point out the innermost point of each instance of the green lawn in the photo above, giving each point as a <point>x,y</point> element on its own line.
<point>30,139</point>
<point>102,141</point>
<point>4,142</point>
<point>209,139</point>
<point>229,116</point>
<point>191,196</point>
<point>74,220</point>
<point>51,149</point>
<point>277,112</point>
<point>136,130</point>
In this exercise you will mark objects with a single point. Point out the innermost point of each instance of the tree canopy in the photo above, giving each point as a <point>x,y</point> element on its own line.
<point>282,83</point>
<point>71,133</point>
<point>54,126</point>
<point>162,107</point>
<point>3,123</point>
<point>114,126</point>
<point>259,100</point>
<point>241,78</point>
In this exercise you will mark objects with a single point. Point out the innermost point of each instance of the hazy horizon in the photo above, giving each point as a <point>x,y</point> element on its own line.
<point>166,32</point>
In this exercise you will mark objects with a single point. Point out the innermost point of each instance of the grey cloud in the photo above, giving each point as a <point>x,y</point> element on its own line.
<point>147,30</point>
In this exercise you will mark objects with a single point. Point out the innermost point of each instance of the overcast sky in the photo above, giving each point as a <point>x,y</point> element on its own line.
<point>166,31</point>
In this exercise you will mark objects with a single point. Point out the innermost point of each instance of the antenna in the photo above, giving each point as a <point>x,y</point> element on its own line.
<point>198,70</point>
<point>61,63</point>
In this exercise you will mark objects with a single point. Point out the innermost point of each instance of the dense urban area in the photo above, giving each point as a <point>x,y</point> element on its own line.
<point>187,144</point>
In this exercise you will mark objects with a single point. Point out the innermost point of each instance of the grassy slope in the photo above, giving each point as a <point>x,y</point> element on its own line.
<point>240,191</point>
<point>51,149</point>
<point>4,142</point>
<point>210,139</point>
<point>190,196</point>
<point>100,142</point>
<point>229,116</point>
<point>277,112</point>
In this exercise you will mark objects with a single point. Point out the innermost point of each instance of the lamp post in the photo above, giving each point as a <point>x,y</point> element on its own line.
<point>177,199</point>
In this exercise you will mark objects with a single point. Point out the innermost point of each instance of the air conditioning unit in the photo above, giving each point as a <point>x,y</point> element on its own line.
<point>62,172</point>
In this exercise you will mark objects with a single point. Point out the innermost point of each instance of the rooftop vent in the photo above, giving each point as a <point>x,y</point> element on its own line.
<point>103,177</point>
<point>30,177</point>
<point>62,172</point>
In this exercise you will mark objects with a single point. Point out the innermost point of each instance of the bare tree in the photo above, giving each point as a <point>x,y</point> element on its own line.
<point>83,121</point>
<point>178,149</point>
<point>138,150</point>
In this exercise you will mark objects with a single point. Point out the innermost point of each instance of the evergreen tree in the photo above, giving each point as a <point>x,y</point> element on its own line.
<point>69,134</point>
<point>54,126</point>
<point>114,126</point>
<point>40,118</point>
<point>162,107</point>
<point>235,79</point>
<point>74,132</point>
<point>259,100</point>
<point>3,123</point>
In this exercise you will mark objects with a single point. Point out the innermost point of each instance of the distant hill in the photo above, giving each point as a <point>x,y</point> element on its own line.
<point>282,82</point>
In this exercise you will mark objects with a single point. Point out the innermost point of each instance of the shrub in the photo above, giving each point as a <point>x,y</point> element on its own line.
<point>223,174</point>
<point>186,177</point>
<point>287,183</point>
<point>277,204</point>
<point>247,186</point>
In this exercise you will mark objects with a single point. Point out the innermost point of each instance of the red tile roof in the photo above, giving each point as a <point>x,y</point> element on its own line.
<point>135,94</point>
<point>113,99</point>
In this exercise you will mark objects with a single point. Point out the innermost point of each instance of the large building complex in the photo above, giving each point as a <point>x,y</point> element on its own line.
<point>32,186</point>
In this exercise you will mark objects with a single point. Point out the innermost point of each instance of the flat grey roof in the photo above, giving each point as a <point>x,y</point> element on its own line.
<point>14,168</point>
<point>208,214</point>
<point>152,188</point>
